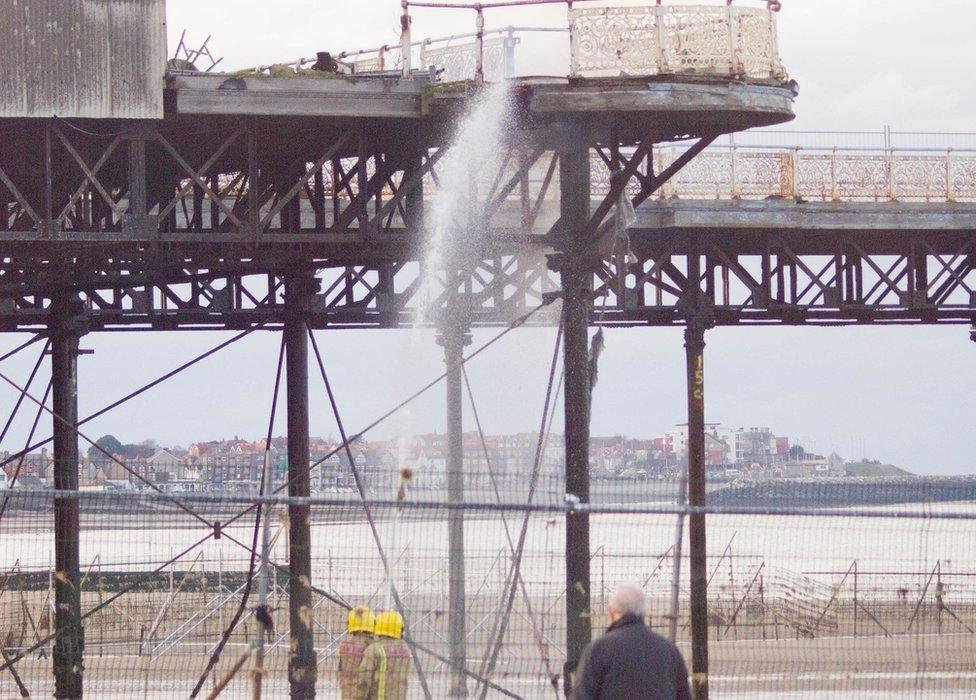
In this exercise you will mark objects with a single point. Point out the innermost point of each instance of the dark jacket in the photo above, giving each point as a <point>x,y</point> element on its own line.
<point>631,663</point>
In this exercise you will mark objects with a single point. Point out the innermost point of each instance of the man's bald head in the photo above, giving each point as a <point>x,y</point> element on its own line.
<point>627,599</point>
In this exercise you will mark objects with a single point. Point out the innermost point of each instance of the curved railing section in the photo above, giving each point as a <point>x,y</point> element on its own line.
<point>729,40</point>
<point>719,40</point>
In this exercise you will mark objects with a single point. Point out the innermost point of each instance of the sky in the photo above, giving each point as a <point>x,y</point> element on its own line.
<point>900,395</point>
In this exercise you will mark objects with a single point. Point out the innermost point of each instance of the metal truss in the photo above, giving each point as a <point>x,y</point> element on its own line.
<point>195,226</point>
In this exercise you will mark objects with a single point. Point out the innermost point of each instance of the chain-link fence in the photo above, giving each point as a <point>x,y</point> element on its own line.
<point>803,602</point>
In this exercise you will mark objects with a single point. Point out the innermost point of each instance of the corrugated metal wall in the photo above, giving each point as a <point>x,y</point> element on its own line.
<point>82,58</point>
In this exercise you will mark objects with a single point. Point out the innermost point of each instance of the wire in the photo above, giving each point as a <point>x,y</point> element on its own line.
<point>360,486</point>
<point>8,663</point>
<point>488,664</point>
<point>20,347</point>
<point>215,657</point>
<point>540,641</point>
<point>169,375</point>
<point>20,399</point>
<point>37,419</point>
<point>74,427</point>
<point>520,321</point>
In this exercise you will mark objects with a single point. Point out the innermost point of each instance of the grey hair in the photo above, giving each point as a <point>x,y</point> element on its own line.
<point>628,598</point>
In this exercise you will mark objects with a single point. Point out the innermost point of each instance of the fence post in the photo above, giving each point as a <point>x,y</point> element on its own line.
<point>676,570</point>
<point>734,185</point>
<point>479,69</point>
<point>662,54</point>
<point>731,14</point>
<point>405,43</point>
<point>796,173</point>
<point>833,174</point>
<point>762,604</point>
<point>890,167</point>
<point>571,28</point>
<point>508,61</point>
<point>855,598</point>
<point>948,169</point>
<point>774,63</point>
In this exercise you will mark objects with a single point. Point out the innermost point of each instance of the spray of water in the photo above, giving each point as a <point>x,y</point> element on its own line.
<point>453,222</point>
<point>453,218</point>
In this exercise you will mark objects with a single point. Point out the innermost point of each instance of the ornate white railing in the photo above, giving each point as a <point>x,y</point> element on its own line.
<point>726,40</point>
<point>459,61</point>
<point>815,175</point>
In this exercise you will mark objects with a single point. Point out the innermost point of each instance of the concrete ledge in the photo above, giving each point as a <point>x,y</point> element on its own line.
<point>789,214</point>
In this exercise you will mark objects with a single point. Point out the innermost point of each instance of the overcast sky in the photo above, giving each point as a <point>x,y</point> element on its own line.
<point>902,395</point>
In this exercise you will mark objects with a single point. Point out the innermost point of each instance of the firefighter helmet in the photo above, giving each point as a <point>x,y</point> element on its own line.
<point>360,619</point>
<point>389,624</point>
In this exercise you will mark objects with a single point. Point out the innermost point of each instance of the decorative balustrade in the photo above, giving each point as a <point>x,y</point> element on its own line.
<point>459,61</point>
<point>814,175</point>
<point>727,40</point>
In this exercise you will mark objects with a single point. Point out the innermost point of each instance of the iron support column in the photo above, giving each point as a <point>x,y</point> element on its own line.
<point>301,662</point>
<point>576,274</point>
<point>694,349</point>
<point>66,328</point>
<point>453,338</point>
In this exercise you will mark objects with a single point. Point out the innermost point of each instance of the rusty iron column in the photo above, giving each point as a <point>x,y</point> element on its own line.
<point>301,661</point>
<point>453,337</point>
<point>575,266</point>
<point>694,350</point>
<point>66,327</point>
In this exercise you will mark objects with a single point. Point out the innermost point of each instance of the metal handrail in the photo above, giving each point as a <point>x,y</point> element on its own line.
<point>387,48</point>
<point>774,5</point>
<point>740,59</point>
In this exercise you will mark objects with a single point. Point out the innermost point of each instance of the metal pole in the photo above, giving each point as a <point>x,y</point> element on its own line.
<point>405,39</point>
<point>695,348</point>
<point>454,337</point>
<point>264,629</point>
<point>68,655</point>
<point>479,67</point>
<point>576,274</point>
<point>301,663</point>
<point>679,534</point>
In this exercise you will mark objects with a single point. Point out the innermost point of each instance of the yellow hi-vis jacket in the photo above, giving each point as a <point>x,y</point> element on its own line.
<point>351,652</point>
<point>384,671</point>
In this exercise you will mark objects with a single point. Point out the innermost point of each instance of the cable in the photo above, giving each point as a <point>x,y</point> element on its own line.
<point>132,395</point>
<point>488,664</point>
<point>20,347</point>
<point>8,663</point>
<point>368,512</point>
<point>520,321</point>
<point>30,436</point>
<point>20,399</point>
<point>215,657</point>
<point>177,502</point>
<point>540,641</point>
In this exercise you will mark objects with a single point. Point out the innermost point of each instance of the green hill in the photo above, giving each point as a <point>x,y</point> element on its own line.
<point>874,469</point>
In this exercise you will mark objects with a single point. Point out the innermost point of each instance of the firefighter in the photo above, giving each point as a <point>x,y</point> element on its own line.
<point>359,635</point>
<point>385,669</point>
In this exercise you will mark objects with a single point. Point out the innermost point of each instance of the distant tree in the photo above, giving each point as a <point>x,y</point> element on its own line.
<point>132,450</point>
<point>109,443</point>
<point>149,445</point>
<point>797,453</point>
